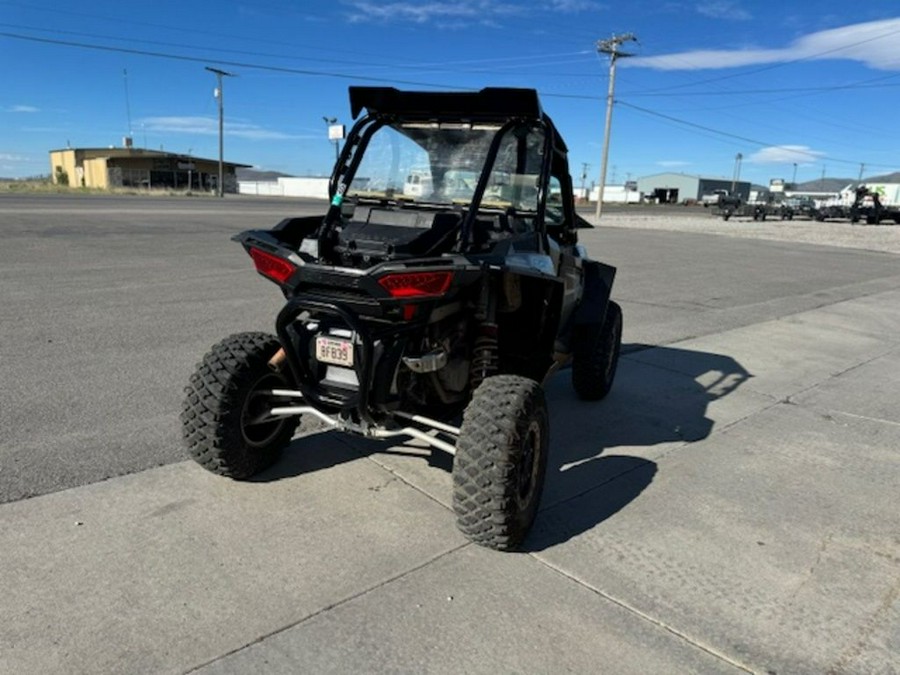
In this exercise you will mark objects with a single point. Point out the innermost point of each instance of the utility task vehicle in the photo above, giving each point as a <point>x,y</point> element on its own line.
<point>733,206</point>
<point>432,313</point>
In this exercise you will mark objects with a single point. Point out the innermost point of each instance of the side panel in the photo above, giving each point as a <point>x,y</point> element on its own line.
<point>598,282</point>
<point>528,321</point>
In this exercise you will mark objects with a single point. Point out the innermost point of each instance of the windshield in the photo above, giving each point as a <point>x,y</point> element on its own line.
<point>430,163</point>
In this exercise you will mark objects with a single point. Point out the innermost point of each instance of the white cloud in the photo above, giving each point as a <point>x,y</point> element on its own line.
<point>22,109</point>
<point>209,126</point>
<point>876,44</point>
<point>482,11</point>
<point>722,9</point>
<point>7,157</point>
<point>576,6</point>
<point>672,163</point>
<point>457,14</point>
<point>786,154</point>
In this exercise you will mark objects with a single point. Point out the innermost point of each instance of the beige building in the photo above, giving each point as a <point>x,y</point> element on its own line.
<point>135,167</point>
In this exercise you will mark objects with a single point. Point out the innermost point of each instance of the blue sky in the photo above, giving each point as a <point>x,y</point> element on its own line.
<point>815,85</point>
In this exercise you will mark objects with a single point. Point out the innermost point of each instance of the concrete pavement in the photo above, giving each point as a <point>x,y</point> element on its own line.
<point>731,507</point>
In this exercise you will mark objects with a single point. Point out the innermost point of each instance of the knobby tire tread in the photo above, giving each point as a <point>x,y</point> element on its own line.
<point>485,470</point>
<point>213,404</point>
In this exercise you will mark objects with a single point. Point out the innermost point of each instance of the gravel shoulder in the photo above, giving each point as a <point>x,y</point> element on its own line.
<point>882,238</point>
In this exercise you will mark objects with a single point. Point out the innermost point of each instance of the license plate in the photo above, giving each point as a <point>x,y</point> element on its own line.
<point>332,350</point>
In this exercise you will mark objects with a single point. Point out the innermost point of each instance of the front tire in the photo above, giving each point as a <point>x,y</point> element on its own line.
<point>501,461</point>
<point>595,355</point>
<point>223,415</point>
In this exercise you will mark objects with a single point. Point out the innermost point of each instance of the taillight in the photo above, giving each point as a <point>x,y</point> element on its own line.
<point>271,266</point>
<point>416,284</point>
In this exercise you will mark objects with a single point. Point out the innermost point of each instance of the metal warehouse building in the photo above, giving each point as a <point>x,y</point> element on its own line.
<point>674,188</point>
<point>135,167</point>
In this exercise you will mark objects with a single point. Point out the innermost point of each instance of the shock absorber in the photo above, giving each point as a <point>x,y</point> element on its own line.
<point>485,359</point>
<point>484,355</point>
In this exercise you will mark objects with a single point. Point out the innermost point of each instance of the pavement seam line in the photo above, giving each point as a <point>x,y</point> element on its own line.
<point>328,608</point>
<point>825,304</point>
<point>644,616</point>
<point>863,417</point>
<point>403,480</point>
<point>349,445</point>
<point>789,398</point>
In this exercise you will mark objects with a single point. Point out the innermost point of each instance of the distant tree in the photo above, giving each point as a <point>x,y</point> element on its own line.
<point>62,177</point>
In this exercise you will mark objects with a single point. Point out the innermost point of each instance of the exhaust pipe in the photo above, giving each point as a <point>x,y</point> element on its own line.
<point>277,361</point>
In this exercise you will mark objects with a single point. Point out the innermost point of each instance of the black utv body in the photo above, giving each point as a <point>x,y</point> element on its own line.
<point>440,289</point>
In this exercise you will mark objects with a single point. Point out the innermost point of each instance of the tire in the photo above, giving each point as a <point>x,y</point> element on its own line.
<point>221,397</point>
<point>501,461</point>
<point>595,355</point>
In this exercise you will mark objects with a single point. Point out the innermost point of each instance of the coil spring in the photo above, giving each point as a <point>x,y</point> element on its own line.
<point>484,358</point>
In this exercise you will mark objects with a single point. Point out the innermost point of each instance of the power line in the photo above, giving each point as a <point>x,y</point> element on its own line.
<point>346,76</point>
<point>745,139</point>
<point>512,61</point>
<point>236,64</point>
<point>799,91</point>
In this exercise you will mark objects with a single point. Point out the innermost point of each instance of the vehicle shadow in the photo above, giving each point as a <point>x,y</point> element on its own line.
<point>661,398</point>
<point>660,402</point>
<point>317,447</point>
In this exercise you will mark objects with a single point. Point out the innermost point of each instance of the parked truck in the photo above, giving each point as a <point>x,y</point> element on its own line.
<point>876,202</point>
<point>732,206</point>
<point>713,198</point>
<point>837,207</point>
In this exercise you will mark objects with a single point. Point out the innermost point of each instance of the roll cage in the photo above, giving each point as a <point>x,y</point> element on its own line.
<point>510,110</point>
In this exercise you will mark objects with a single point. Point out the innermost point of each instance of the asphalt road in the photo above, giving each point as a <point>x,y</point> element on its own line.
<point>108,302</point>
<point>730,507</point>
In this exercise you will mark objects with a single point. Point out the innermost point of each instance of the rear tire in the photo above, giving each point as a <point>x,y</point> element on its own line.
<point>595,355</point>
<point>221,414</point>
<point>501,461</point>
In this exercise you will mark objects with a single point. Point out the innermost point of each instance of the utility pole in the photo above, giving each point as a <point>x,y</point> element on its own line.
<point>794,178</point>
<point>610,47</point>
<point>737,172</point>
<point>862,167</point>
<point>220,186</point>
<point>584,170</point>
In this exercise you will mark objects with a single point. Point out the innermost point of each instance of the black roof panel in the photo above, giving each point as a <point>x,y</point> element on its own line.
<point>491,103</point>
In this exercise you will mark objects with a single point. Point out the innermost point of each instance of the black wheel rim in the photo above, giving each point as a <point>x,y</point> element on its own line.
<point>613,338</point>
<point>257,428</point>
<point>528,466</point>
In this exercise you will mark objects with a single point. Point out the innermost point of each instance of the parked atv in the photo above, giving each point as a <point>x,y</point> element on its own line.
<point>430,309</point>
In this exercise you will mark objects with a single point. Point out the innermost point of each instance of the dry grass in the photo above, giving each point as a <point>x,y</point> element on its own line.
<point>48,187</point>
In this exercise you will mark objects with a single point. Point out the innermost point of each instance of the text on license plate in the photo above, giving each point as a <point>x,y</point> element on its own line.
<point>332,350</point>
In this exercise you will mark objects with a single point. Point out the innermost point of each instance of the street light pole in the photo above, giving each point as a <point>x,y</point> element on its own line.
<point>610,47</point>
<point>219,74</point>
<point>329,121</point>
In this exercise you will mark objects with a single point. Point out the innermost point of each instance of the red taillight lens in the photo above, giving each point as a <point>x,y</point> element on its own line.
<point>416,284</point>
<point>271,266</point>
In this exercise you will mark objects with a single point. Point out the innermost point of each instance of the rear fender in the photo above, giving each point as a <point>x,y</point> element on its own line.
<point>598,282</point>
<point>529,323</point>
